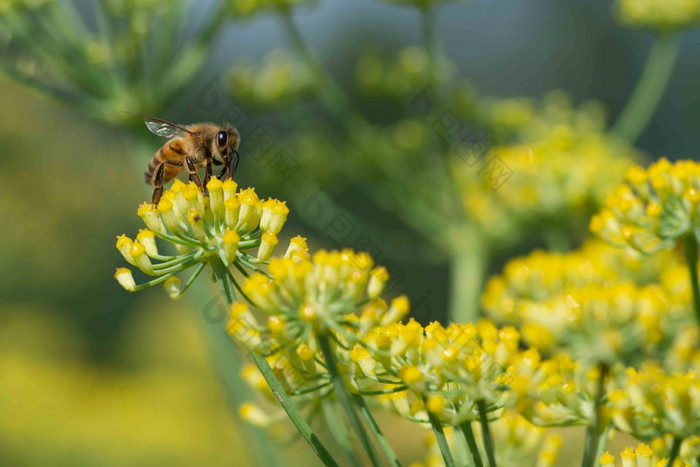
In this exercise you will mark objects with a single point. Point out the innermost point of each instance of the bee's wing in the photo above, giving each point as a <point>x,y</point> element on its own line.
<point>163,128</point>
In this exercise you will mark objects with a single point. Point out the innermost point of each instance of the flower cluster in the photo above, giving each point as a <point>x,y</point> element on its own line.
<point>655,207</point>
<point>588,303</point>
<point>659,15</point>
<point>650,402</point>
<point>104,63</point>
<point>305,297</point>
<point>543,275</point>
<point>234,227</point>
<point>447,371</point>
<point>548,171</point>
<point>401,76</point>
<point>612,323</point>
<point>277,81</point>
<point>558,391</point>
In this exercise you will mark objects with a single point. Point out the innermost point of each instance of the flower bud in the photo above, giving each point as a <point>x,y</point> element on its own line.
<point>377,281</point>
<point>229,188</point>
<point>398,309</point>
<point>607,460</point>
<point>172,287</point>
<point>296,244</point>
<point>124,246</point>
<point>177,190</point>
<point>169,214</point>
<point>249,215</point>
<point>254,415</point>
<point>267,245</point>
<point>196,221</point>
<point>231,212</point>
<point>193,196</point>
<point>150,217</point>
<point>141,259</point>
<point>306,354</point>
<point>229,245</point>
<point>125,279</point>
<point>274,215</point>
<point>148,239</point>
<point>216,197</point>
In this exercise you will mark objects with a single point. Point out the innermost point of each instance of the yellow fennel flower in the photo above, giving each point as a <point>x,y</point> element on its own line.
<point>650,402</point>
<point>226,227</point>
<point>654,209</point>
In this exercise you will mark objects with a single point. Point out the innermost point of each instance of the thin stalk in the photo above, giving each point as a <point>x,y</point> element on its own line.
<point>675,450</point>
<point>486,433</point>
<point>441,440</point>
<point>345,401</point>
<point>227,363</point>
<point>330,94</point>
<point>293,414</point>
<point>691,257</point>
<point>649,89</point>
<point>224,279</point>
<point>338,430</point>
<point>433,49</point>
<point>593,431</point>
<point>466,428</point>
<point>602,442</point>
<point>190,281</point>
<point>467,271</point>
<point>376,431</point>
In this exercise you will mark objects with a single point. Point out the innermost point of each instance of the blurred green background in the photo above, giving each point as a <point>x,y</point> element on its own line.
<point>92,375</point>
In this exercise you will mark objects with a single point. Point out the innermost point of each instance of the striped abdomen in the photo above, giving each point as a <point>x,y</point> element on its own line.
<point>173,150</point>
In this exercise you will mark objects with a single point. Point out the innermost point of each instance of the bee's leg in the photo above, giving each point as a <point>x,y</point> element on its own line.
<point>207,168</point>
<point>158,184</point>
<point>158,180</point>
<point>193,173</point>
<point>222,173</point>
<point>231,164</point>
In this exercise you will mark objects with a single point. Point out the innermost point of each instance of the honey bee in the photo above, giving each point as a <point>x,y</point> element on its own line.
<point>190,147</point>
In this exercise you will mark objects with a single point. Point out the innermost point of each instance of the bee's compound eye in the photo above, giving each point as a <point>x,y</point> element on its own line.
<point>221,138</point>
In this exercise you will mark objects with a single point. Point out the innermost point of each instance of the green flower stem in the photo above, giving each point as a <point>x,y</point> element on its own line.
<point>466,428</point>
<point>345,401</point>
<point>675,450</point>
<point>338,430</point>
<point>467,271</point>
<point>330,94</point>
<point>376,431</point>
<point>293,414</point>
<point>200,267</point>
<point>593,432</point>
<point>433,49</point>
<point>223,277</point>
<point>188,61</point>
<point>691,256</point>
<point>166,275</point>
<point>486,433</point>
<point>441,440</point>
<point>602,442</point>
<point>649,89</point>
<point>227,364</point>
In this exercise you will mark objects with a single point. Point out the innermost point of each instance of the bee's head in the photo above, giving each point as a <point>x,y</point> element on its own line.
<point>225,143</point>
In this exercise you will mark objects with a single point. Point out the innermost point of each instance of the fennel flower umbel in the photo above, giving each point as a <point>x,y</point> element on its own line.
<point>230,228</point>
